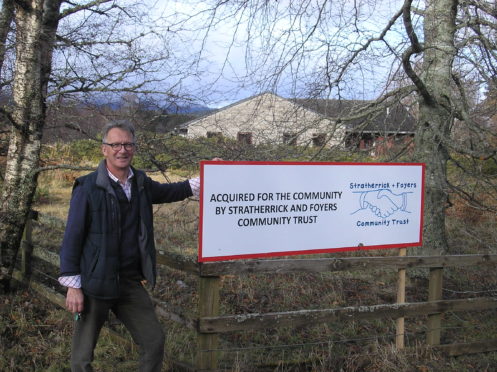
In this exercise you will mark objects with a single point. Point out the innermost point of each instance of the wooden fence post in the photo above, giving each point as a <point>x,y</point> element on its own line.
<point>208,306</point>
<point>27,246</point>
<point>434,323</point>
<point>401,298</point>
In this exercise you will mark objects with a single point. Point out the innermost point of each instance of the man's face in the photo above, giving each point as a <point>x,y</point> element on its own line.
<point>119,159</point>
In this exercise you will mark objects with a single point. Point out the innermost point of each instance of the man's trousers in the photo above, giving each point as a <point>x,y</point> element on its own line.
<point>135,310</point>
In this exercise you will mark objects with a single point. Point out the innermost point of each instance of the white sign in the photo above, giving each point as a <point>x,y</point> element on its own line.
<point>261,209</point>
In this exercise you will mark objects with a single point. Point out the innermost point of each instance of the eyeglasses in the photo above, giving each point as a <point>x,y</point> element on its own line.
<point>118,146</point>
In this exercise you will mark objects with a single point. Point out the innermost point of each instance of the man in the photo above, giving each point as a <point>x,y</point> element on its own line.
<point>108,250</point>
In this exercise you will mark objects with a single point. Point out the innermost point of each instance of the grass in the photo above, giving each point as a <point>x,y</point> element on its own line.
<point>36,334</point>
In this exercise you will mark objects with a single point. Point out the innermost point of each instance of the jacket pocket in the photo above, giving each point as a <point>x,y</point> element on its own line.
<point>91,256</point>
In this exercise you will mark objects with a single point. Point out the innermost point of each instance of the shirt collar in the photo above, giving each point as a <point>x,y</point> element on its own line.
<point>114,178</point>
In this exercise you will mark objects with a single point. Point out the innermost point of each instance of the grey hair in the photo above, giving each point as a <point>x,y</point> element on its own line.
<point>124,125</point>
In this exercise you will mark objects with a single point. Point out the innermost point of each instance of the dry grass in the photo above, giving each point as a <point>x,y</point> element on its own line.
<point>35,335</point>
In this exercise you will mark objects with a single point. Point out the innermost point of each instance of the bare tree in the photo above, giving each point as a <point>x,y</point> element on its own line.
<point>35,36</point>
<point>58,48</point>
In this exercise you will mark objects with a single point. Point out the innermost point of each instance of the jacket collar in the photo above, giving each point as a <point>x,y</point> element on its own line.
<point>103,177</point>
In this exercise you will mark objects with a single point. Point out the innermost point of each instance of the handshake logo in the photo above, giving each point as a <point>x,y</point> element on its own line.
<point>383,202</point>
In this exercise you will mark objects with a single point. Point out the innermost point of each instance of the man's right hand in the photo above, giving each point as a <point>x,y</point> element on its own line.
<point>74,300</point>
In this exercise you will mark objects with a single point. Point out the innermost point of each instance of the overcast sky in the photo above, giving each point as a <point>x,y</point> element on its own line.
<point>239,54</point>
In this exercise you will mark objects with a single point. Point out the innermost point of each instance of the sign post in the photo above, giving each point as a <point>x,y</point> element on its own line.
<point>401,298</point>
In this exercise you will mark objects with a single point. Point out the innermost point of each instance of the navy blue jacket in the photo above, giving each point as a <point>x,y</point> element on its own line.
<point>93,233</point>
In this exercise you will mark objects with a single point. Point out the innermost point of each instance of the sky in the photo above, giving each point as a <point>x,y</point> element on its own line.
<point>237,55</point>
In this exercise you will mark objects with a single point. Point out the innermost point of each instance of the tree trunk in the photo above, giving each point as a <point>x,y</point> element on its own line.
<point>36,24</point>
<point>436,117</point>
<point>6,17</point>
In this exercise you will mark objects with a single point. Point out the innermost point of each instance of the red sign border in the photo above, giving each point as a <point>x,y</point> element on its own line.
<point>311,251</point>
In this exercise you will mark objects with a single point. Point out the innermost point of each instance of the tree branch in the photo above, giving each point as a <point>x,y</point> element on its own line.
<point>415,48</point>
<point>88,6</point>
<point>406,17</point>
<point>365,47</point>
<point>6,17</point>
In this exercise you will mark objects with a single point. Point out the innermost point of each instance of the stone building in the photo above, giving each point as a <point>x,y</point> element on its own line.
<point>270,119</point>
